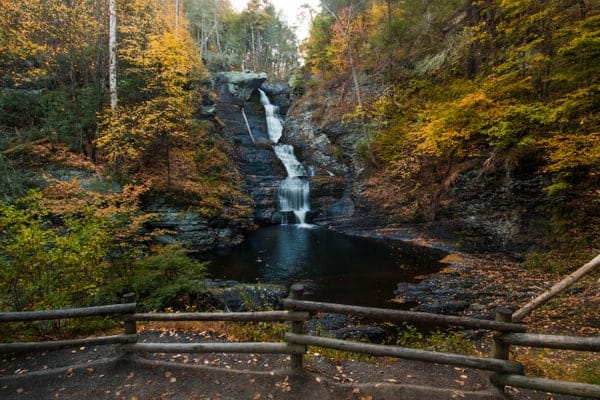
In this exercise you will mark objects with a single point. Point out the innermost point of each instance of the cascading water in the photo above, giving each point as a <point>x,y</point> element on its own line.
<point>293,194</point>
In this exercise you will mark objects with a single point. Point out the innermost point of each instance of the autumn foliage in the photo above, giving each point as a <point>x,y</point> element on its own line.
<point>79,238</point>
<point>449,86</point>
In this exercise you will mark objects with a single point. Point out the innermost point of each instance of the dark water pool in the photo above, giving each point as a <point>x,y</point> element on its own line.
<point>338,268</point>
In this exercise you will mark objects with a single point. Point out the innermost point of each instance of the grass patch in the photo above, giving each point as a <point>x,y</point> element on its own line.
<point>562,365</point>
<point>337,356</point>
<point>442,341</point>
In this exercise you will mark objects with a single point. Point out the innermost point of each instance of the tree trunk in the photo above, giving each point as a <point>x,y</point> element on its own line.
<point>112,55</point>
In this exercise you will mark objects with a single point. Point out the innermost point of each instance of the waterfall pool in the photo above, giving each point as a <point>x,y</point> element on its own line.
<point>338,268</point>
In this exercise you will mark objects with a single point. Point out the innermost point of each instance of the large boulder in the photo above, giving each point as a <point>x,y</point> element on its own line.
<point>243,84</point>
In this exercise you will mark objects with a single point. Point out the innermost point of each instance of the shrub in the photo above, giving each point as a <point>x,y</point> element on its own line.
<point>166,278</point>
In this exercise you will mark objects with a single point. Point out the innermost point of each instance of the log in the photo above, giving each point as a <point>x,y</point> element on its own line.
<point>546,385</point>
<point>247,347</point>
<point>98,311</point>
<point>61,344</point>
<point>528,308</point>
<point>23,146</point>
<point>488,364</point>
<point>403,316</point>
<point>577,343</point>
<point>248,126</point>
<point>221,316</point>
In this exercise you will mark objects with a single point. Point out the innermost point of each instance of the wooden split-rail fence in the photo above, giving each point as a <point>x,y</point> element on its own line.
<point>506,333</point>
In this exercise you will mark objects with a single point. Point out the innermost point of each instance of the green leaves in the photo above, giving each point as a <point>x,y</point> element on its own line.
<point>258,39</point>
<point>161,278</point>
<point>43,265</point>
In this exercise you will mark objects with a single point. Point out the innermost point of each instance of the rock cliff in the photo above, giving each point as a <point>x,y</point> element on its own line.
<point>467,204</point>
<point>238,118</point>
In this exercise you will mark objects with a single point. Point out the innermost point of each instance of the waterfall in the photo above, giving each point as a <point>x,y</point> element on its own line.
<point>293,194</point>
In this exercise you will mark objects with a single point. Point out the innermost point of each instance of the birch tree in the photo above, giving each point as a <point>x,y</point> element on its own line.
<point>112,51</point>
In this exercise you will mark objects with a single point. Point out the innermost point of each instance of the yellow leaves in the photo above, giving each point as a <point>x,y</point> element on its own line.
<point>474,101</point>
<point>568,151</point>
<point>454,122</point>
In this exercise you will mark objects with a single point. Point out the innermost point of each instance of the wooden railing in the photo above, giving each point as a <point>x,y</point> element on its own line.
<point>297,311</point>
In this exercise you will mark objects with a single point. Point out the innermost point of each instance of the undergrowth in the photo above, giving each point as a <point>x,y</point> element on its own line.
<point>437,340</point>
<point>562,365</point>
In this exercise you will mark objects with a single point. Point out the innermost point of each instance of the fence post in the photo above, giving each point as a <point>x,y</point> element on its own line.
<point>129,324</point>
<point>296,293</point>
<point>500,349</point>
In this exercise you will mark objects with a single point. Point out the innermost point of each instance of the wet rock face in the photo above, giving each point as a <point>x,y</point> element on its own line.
<point>253,155</point>
<point>190,228</point>
<point>314,146</point>
<point>329,199</point>
<point>495,212</point>
<point>332,170</point>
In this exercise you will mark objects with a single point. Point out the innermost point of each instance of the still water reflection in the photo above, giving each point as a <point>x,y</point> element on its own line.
<point>339,268</point>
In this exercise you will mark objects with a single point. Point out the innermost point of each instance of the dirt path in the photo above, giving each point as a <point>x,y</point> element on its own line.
<point>100,373</point>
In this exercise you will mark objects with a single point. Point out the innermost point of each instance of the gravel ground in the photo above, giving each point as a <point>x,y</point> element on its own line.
<point>102,373</point>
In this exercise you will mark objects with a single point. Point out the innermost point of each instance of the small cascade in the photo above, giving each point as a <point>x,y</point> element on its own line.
<point>293,194</point>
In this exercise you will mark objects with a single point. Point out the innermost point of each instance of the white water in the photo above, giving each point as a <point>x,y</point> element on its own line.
<point>293,194</point>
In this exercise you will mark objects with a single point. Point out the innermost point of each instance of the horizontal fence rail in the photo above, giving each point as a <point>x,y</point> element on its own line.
<point>552,341</point>
<point>244,347</point>
<point>62,344</point>
<point>404,316</point>
<point>262,316</point>
<point>487,364</point>
<point>547,385</point>
<point>98,311</point>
